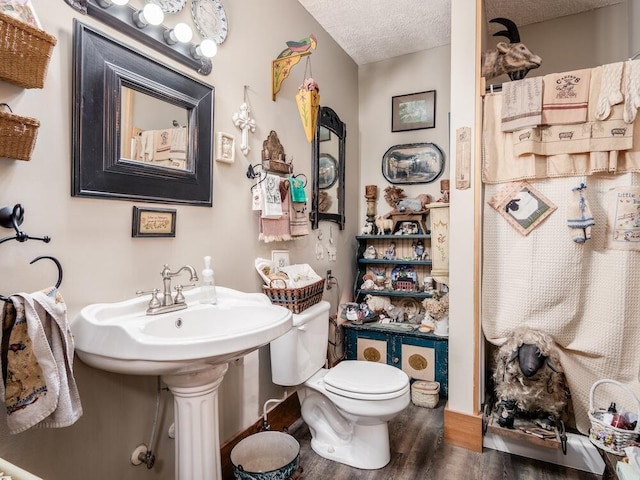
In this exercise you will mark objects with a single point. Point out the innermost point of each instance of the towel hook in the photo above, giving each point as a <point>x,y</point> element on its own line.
<point>13,218</point>
<point>54,260</point>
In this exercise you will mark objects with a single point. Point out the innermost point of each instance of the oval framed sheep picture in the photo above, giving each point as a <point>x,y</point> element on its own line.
<point>413,163</point>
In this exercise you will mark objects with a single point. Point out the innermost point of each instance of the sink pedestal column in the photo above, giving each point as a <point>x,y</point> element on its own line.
<point>195,400</point>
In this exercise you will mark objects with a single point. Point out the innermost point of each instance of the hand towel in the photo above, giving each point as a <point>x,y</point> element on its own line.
<point>297,190</point>
<point>521,104</point>
<point>178,143</point>
<point>271,198</point>
<point>162,144</point>
<point>298,219</point>
<point>256,196</point>
<point>565,97</point>
<point>610,93</point>
<point>50,307</point>
<point>147,146</point>
<point>38,387</point>
<point>276,229</point>
<point>579,217</point>
<point>631,90</point>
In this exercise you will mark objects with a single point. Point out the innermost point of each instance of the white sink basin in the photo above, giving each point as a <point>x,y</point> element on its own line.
<point>120,337</point>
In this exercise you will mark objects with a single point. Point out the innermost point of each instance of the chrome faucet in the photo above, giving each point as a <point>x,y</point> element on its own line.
<point>169,303</point>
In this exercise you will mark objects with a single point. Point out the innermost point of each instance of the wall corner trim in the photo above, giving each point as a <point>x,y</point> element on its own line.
<point>463,430</point>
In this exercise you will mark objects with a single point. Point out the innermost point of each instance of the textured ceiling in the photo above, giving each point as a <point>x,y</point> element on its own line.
<point>374,30</point>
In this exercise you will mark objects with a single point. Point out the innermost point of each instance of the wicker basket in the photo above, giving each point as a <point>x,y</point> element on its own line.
<point>17,135</point>
<point>425,394</point>
<point>24,53</point>
<point>604,436</point>
<point>296,299</point>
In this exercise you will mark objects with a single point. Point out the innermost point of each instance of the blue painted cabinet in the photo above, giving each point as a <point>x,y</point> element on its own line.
<point>422,356</point>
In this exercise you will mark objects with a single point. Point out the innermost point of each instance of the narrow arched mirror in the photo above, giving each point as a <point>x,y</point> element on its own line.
<point>328,154</point>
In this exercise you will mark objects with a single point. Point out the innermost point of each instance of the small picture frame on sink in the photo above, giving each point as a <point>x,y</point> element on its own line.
<point>153,222</point>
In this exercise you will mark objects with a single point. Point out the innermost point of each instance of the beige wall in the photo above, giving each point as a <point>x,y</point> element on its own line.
<point>92,237</point>
<point>378,82</point>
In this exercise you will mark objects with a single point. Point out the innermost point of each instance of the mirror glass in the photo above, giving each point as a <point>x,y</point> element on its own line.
<point>153,132</point>
<point>328,151</point>
<point>141,130</point>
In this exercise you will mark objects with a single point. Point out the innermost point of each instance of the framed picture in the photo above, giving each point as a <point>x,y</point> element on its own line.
<point>225,147</point>
<point>22,10</point>
<point>414,111</point>
<point>280,258</point>
<point>413,163</point>
<point>522,205</point>
<point>153,222</point>
<point>325,134</point>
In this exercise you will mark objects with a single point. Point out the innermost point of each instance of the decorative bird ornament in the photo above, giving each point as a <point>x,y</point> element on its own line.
<point>300,46</point>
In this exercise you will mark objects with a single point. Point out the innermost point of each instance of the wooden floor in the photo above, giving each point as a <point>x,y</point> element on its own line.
<point>418,452</point>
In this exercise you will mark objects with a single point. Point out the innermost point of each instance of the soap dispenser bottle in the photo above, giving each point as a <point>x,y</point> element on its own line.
<point>208,294</point>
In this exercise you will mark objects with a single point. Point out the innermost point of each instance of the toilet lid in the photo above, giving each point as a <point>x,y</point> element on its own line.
<point>353,378</point>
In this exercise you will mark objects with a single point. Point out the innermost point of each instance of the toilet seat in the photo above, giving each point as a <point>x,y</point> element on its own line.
<point>364,380</point>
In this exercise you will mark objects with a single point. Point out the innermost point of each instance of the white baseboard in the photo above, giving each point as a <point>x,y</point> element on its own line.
<point>581,453</point>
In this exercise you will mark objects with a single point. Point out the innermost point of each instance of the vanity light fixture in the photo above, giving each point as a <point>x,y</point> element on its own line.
<point>207,48</point>
<point>140,26</point>
<point>151,14</point>
<point>180,33</point>
<point>108,3</point>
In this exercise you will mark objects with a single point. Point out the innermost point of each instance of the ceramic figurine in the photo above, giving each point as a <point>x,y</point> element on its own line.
<point>368,284</point>
<point>350,311</point>
<point>390,252</point>
<point>395,313</point>
<point>418,250</point>
<point>370,253</point>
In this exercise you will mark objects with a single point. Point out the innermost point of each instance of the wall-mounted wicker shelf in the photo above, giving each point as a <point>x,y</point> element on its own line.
<point>24,53</point>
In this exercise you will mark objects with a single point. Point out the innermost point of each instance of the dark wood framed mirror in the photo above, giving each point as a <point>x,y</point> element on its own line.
<point>141,131</point>
<point>328,157</point>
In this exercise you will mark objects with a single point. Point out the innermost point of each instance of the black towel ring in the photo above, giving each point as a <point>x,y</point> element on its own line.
<point>54,260</point>
<point>303,176</point>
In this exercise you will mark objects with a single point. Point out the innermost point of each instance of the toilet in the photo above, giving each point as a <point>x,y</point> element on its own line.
<point>347,407</point>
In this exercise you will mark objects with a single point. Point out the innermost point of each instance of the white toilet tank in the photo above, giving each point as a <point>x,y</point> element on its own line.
<point>301,352</point>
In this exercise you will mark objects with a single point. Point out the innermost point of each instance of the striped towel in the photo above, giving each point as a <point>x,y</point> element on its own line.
<point>521,104</point>
<point>565,97</point>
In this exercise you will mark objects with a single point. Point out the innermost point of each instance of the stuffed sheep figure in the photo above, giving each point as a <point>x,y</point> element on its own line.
<point>529,379</point>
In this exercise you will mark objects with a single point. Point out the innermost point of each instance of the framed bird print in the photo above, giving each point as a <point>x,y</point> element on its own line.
<point>414,111</point>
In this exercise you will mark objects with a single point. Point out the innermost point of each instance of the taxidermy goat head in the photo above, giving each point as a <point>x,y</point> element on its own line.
<point>512,58</point>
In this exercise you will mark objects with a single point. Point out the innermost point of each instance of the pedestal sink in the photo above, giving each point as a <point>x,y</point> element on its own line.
<point>190,349</point>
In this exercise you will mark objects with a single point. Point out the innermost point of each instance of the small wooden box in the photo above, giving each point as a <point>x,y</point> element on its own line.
<point>425,394</point>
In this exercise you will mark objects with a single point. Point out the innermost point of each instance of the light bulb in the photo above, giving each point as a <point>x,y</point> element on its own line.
<point>151,14</point>
<point>207,48</point>
<point>108,3</point>
<point>180,33</point>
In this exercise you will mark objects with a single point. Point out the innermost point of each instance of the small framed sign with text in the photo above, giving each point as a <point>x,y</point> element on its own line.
<point>153,222</point>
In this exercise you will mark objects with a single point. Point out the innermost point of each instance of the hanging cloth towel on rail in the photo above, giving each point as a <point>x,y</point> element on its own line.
<point>277,229</point>
<point>297,190</point>
<point>565,97</point>
<point>270,197</point>
<point>38,386</point>
<point>521,104</point>
<point>610,89</point>
<point>631,90</point>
